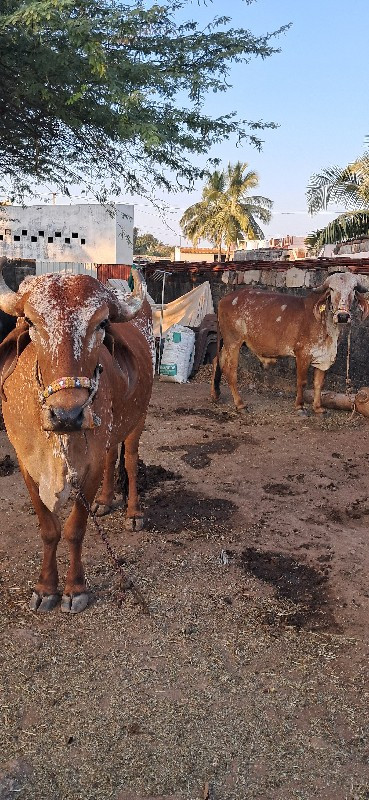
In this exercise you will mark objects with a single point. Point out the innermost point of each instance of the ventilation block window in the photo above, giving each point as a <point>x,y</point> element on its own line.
<point>24,233</point>
<point>7,231</point>
<point>67,240</point>
<point>83,241</point>
<point>1,237</point>
<point>74,235</point>
<point>17,238</point>
<point>33,238</point>
<point>41,233</point>
<point>50,239</point>
<point>58,233</point>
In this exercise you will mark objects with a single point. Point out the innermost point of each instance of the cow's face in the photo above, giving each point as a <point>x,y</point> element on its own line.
<point>342,294</point>
<point>338,293</point>
<point>67,316</point>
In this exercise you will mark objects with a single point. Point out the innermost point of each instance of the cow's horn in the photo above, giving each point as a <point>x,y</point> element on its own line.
<point>126,306</point>
<point>322,287</point>
<point>8,298</point>
<point>361,289</point>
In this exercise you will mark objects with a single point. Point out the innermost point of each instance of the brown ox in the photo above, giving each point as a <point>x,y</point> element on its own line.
<point>76,377</point>
<point>272,324</point>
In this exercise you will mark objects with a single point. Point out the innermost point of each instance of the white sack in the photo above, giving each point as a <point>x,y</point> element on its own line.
<point>178,354</point>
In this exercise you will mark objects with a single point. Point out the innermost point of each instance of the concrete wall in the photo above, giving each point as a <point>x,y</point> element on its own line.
<point>14,272</point>
<point>76,233</point>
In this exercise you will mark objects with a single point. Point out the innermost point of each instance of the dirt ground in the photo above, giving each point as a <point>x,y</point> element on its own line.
<point>249,678</point>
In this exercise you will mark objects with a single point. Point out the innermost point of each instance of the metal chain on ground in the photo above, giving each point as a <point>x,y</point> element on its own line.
<point>126,582</point>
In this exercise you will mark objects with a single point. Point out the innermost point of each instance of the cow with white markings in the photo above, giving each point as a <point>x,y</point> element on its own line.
<point>273,324</point>
<point>76,378</point>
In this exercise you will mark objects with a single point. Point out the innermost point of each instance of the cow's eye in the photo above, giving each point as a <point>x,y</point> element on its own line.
<point>102,325</point>
<point>29,322</point>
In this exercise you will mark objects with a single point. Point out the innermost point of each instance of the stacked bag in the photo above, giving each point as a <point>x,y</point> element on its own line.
<point>178,354</point>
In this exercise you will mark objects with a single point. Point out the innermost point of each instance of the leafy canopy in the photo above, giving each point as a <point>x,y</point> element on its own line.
<point>104,91</point>
<point>348,186</point>
<point>147,244</point>
<point>227,211</point>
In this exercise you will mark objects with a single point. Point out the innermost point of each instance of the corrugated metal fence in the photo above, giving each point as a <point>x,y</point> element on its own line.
<point>118,271</point>
<point>74,268</point>
<point>101,271</point>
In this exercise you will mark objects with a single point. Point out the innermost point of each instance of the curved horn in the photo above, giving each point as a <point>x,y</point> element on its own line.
<point>8,298</point>
<point>126,306</point>
<point>322,287</point>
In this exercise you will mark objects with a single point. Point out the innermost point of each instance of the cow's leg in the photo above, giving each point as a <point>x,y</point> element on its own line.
<point>302,367</point>
<point>104,503</point>
<point>228,360</point>
<point>45,595</point>
<point>319,376</point>
<point>134,515</point>
<point>76,597</point>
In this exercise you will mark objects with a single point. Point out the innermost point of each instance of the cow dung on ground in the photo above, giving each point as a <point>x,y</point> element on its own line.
<point>249,675</point>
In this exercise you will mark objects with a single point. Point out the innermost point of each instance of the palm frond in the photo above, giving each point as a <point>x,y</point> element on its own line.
<point>226,209</point>
<point>334,185</point>
<point>346,226</point>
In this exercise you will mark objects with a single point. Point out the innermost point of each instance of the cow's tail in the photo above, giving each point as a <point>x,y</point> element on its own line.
<point>217,372</point>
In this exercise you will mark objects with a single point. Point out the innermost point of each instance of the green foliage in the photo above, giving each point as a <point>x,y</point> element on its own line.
<point>346,226</point>
<point>348,186</point>
<point>147,244</point>
<point>334,185</point>
<point>104,92</point>
<point>226,212</point>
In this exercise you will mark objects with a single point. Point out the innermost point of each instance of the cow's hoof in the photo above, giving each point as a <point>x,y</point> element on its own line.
<point>302,412</point>
<point>242,409</point>
<point>74,603</point>
<point>134,523</point>
<point>44,602</point>
<point>102,509</point>
<point>320,410</point>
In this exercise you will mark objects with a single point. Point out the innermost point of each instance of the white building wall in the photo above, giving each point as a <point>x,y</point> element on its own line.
<point>77,233</point>
<point>179,255</point>
<point>124,234</point>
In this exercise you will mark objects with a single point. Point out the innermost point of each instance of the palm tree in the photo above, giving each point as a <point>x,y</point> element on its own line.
<point>201,221</point>
<point>348,186</point>
<point>226,211</point>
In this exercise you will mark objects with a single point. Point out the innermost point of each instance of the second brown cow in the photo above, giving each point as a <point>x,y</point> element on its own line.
<point>273,324</point>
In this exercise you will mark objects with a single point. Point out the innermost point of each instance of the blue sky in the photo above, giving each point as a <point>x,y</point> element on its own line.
<point>315,89</point>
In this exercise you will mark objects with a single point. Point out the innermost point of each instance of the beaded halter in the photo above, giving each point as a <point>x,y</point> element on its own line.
<point>92,384</point>
<point>67,383</point>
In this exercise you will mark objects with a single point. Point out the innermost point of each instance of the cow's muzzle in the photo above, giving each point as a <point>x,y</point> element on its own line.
<point>65,420</point>
<point>75,418</point>
<point>343,317</point>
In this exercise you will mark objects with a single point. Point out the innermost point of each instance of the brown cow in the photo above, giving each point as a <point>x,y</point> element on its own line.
<point>76,378</point>
<point>273,324</point>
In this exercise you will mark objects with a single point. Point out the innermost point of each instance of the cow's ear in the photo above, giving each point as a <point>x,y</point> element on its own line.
<point>320,306</point>
<point>364,305</point>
